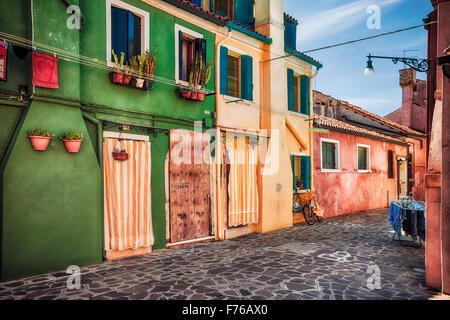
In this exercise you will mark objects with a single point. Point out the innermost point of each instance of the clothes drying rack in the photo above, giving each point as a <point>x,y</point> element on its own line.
<point>407,217</point>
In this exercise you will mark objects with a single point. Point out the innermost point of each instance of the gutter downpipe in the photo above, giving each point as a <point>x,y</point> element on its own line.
<point>99,126</point>
<point>311,123</point>
<point>219,140</point>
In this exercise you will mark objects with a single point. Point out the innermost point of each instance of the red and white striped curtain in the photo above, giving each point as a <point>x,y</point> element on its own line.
<point>128,214</point>
<point>243,205</point>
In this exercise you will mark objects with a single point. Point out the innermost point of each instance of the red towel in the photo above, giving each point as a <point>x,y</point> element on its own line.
<point>3,60</point>
<point>45,70</point>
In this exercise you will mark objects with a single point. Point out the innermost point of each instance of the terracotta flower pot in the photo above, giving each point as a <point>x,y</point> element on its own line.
<point>72,146</point>
<point>120,155</point>
<point>187,94</point>
<point>39,143</point>
<point>194,95</point>
<point>139,83</point>
<point>117,77</point>
<point>201,95</point>
<point>126,79</point>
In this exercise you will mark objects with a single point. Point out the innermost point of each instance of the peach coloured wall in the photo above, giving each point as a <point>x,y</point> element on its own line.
<point>348,191</point>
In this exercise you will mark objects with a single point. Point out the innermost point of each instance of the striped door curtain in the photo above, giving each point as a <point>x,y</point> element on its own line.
<point>243,208</point>
<point>128,215</point>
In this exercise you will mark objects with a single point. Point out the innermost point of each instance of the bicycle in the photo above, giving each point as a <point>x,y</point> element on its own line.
<point>302,203</point>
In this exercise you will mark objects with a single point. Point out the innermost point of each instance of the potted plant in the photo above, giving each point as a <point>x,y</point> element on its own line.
<point>120,154</point>
<point>149,67</point>
<point>117,76</point>
<point>72,141</point>
<point>40,139</point>
<point>204,79</point>
<point>127,75</point>
<point>299,183</point>
<point>198,78</point>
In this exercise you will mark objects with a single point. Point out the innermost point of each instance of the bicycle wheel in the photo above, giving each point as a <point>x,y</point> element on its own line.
<point>308,214</point>
<point>319,219</point>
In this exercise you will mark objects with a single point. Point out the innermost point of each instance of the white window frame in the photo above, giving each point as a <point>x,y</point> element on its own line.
<point>338,155</point>
<point>298,73</point>
<point>145,34</point>
<point>368,158</point>
<point>191,33</point>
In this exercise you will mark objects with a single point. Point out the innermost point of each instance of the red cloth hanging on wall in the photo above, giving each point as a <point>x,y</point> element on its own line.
<point>3,60</point>
<point>45,70</point>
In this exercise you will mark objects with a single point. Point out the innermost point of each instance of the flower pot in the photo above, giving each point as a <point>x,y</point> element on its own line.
<point>186,94</point>
<point>194,95</point>
<point>120,155</point>
<point>72,146</point>
<point>39,143</point>
<point>139,83</point>
<point>117,77</point>
<point>127,79</point>
<point>201,95</point>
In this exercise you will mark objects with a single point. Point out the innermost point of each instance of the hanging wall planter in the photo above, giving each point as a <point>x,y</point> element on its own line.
<point>40,139</point>
<point>198,79</point>
<point>72,141</point>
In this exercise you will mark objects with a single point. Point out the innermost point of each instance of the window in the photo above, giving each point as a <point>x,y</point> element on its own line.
<point>298,92</point>
<point>236,74</point>
<point>363,158</point>
<point>390,164</point>
<point>127,30</point>
<point>301,171</point>
<point>224,8</point>
<point>329,155</point>
<point>188,44</point>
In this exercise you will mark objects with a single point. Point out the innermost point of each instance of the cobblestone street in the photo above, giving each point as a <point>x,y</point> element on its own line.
<point>328,260</point>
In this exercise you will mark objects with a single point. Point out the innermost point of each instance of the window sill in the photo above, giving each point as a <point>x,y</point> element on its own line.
<point>237,100</point>
<point>364,171</point>
<point>299,114</point>
<point>330,170</point>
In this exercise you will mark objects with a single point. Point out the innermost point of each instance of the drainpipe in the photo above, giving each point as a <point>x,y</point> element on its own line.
<point>218,135</point>
<point>99,126</point>
<point>311,123</point>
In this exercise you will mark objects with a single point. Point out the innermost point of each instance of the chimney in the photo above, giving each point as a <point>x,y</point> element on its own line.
<point>269,13</point>
<point>407,83</point>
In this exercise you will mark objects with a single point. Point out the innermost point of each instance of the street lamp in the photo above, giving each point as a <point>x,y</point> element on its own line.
<point>421,65</point>
<point>369,68</point>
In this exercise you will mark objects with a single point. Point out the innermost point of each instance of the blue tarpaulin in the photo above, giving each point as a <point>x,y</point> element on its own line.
<point>397,214</point>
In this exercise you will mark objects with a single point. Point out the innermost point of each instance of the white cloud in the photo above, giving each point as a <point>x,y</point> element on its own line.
<point>337,20</point>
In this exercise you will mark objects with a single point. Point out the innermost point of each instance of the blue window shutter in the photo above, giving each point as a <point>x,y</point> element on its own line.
<point>180,55</point>
<point>243,12</point>
<point>197,2</point>
<point>119,32</point>
<point>304,94</point>
<point>290,34</point>
<point>306,172</point>
<point>200,46</point>
<point>223,70</point>
<point>247,78</point>
<point>290,90</point>
<point>211,5</point>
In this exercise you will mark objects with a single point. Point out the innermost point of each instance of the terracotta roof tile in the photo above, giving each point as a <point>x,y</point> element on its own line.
<point>376,117</point>
<point>330,123</point>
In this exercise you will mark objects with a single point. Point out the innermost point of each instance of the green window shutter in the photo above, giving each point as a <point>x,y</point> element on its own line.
<point>223,70</point>
<point>304,94</point>
<point>293,171</point>
<point>211,5</point>
<point>247,78</point>
<point>243,12</point>
<point>290,90</point>
<point>306,172</point>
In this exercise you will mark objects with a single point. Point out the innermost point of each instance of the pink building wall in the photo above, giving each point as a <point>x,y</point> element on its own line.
<point>349,191</point>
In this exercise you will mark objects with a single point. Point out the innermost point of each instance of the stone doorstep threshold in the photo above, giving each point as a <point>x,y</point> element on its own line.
<point>115,255</point>
<point>190,242</point>
<point>237,232</point>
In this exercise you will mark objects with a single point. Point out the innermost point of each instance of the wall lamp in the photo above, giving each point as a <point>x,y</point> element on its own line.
<point>421,65</point>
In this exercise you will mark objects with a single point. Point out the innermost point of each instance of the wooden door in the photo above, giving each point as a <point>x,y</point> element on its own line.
<point>189,185</point>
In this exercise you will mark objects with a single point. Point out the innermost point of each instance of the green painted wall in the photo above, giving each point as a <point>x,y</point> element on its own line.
<point>52,201</point>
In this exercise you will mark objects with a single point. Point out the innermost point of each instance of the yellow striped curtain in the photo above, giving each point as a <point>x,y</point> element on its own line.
<point>243,205</point>
<point>128,215</point>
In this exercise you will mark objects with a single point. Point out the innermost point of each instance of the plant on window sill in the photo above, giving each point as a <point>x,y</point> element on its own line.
<point>198,79</point>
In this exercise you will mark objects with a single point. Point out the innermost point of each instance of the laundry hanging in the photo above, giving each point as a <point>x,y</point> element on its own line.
<point>3,60</point>
<point>128,215</point>
<point>45,70</point>
<point>243,205</point>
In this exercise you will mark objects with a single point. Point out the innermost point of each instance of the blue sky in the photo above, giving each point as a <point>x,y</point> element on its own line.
<point>326,22</point>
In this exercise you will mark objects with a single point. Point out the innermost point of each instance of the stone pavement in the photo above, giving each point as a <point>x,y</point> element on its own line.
<point>328,260</point>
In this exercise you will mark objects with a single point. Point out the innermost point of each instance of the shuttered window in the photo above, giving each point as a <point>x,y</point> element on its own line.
<point>390,164</point>
<point>363,158</point>
<point>196,2</point>
<point>236,75</point>
<point>244,12</point>
<point>298,93</point>
<point>224,8</point>
<point>189,47</point>
<point>329,156</point>
<point>301,171</point>
<point>125,33</point>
